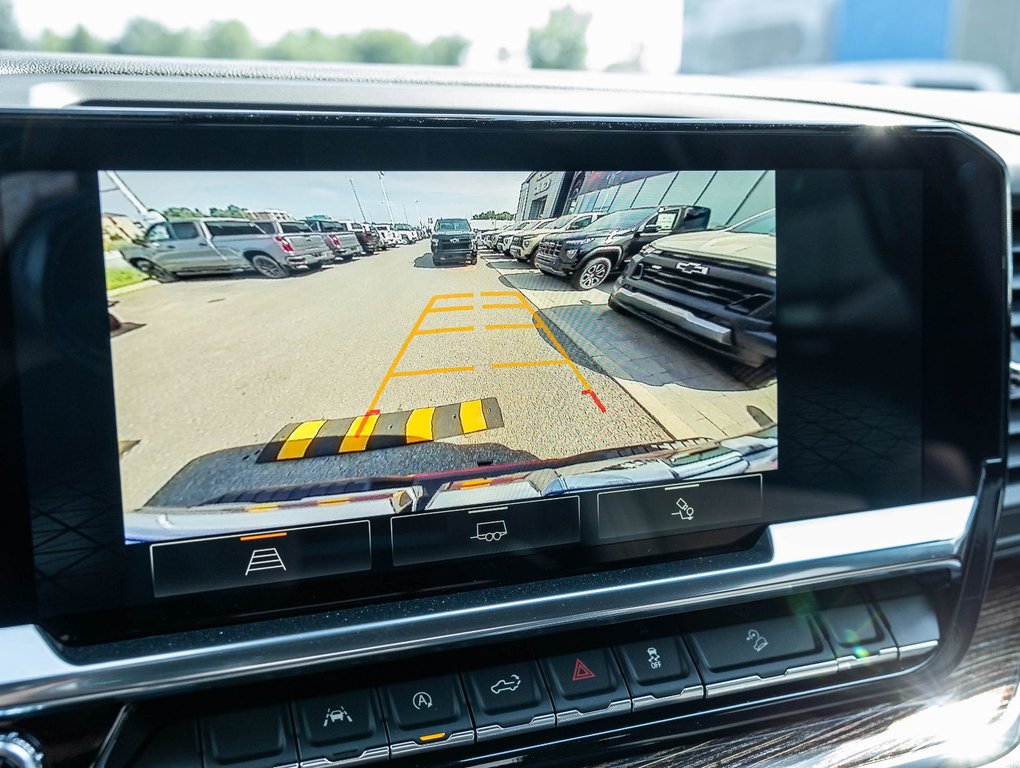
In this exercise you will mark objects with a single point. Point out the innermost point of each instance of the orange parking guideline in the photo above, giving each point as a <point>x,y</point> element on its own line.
<point>554,341</point>
<point>278,535</point>
<point>501,306</point>
<point>357,435</point>
<point>458,329</point>
<point>403,347</point>
<point>509,327</point>
<point>431,371</point>
<point>530,363</point>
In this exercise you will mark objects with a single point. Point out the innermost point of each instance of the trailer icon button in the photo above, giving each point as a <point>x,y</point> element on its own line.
<point>491,531</point>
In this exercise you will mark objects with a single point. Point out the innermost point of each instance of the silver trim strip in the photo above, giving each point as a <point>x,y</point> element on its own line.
<point>801,554</point>
<point>369,755</point>
<point>573,715</point>
<point>407,747</point>
<point>847,663</point>
<point>918,649</point>
<point>752,682</point>
<point>496,731</point>
<point>687,694</point>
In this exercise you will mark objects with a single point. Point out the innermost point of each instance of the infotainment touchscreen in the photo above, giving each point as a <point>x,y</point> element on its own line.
<point>277,367</point>
<point>296,349</point>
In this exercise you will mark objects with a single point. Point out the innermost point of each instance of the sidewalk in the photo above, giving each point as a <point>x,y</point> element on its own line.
<point>685,389</point>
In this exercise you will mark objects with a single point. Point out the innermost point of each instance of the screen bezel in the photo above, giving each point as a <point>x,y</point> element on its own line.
<point>964,334</point>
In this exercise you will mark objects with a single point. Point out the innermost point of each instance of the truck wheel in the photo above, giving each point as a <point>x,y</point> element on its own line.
<point>155,271</point>
<point>591,274</point>
<point>268,267</point>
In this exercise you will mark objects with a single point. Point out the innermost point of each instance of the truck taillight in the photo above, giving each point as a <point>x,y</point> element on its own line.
<point>335,240</point>
<point>284,243</point>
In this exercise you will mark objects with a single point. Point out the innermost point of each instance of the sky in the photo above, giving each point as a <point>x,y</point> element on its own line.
<point>617,31</point>
<point>456,194</point>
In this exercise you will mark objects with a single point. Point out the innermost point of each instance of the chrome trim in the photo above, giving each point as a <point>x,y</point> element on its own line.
<point>689,693</point>
<point>847,663</point>
<point>752,682</point>
<point>918,649</point>
<point>574,715</point>
<point>18,752</point>
<point>690,322</point>
<point>369,755</point>
<point>495,731</point>
<point>407,747</point>
<point>802,554</point>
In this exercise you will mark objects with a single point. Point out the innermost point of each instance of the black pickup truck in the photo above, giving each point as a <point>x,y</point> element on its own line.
<point>715,288</point>
<point>454,241</point>
<point>588,256</point>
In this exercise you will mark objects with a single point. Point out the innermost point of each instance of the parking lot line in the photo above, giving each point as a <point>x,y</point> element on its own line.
<point>431,371</point>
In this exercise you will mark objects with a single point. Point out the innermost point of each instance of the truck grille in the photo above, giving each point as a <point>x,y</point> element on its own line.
<point>549,251</point>
<point>1013,460</point>
<point>710,287</point>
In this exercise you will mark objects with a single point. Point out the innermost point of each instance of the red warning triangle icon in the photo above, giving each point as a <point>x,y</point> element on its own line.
<point>581,671</point>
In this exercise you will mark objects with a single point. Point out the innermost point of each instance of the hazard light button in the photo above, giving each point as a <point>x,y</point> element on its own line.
<point>585,684</point>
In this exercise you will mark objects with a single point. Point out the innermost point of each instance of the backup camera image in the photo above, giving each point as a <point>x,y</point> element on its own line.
<point>302,348</point>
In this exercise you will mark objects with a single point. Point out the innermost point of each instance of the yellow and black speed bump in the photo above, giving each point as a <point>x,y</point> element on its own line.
<point>329,437</point>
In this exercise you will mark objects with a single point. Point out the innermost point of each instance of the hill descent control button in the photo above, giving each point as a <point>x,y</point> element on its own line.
<point>659,671</point>
<point>586,684</point>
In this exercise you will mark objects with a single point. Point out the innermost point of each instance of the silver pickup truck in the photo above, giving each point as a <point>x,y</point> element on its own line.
<point>171,249</point>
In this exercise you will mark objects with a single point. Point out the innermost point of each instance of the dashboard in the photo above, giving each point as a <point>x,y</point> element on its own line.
<point>325,487</point>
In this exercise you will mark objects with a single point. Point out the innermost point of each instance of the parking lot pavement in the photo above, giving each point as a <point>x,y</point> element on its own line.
<point>690,392</point>
<point>219,367</point>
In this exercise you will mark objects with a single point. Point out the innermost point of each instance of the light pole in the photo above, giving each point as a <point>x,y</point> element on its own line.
<point>357,199</point>
<point>417,212</point>
<point>405,211</point>
<point>386,198</point>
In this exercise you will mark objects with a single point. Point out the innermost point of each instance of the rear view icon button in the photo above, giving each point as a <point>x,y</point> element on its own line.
<point>265,560</point>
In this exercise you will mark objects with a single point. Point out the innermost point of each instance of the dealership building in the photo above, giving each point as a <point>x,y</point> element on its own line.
<point>731,196</point>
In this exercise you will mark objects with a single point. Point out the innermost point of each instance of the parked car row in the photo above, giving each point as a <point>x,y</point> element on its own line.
<point>715,287</point>
<point>173,249</point>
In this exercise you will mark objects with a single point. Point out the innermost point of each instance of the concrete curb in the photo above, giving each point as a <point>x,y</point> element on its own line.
<point>131,288</point>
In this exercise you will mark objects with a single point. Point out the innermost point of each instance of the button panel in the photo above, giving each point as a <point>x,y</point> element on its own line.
<point>515,690</point>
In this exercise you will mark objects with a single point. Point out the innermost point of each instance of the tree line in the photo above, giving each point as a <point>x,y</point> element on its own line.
<point>559,44</point>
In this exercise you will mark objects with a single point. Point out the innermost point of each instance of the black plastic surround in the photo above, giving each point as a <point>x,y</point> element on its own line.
<point>932,309</point>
